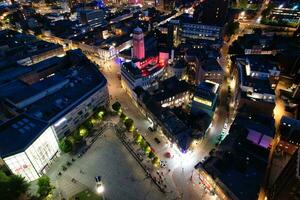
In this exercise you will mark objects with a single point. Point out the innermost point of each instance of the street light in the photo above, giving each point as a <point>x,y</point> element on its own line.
<point>100,188</point>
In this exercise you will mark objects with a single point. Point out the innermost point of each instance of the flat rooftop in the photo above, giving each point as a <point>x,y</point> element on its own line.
<point>239,163</point>
<point>171,87</point>
<point>259,85</point>
<point>54,94</point>
<point>211,65</point>
<point>17,46</point>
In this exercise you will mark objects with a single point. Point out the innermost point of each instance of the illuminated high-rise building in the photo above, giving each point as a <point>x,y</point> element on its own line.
<point>138,44</point>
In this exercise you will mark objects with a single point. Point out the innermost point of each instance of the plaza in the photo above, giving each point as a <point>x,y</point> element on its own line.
<point>122,177</point>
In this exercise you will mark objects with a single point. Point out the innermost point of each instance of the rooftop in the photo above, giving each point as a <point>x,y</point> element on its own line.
<point>54,94</point>
<point>171,87</point>
<point>16,46</point>
<point>18,133</point>
<point>239,163</point>
<point>211,65</point>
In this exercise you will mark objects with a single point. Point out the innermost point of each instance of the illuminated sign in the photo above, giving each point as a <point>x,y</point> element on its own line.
<point>62,120</point>
<point>203,101</point>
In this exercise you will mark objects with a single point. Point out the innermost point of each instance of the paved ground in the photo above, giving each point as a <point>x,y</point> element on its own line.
<point>122,177</point>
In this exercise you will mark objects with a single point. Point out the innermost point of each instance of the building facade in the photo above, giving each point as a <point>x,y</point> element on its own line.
<point>138,44</point>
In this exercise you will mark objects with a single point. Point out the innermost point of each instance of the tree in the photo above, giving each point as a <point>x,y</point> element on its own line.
<point>232,28</point>
<point>83,132</point>
<point>76,137</point>
<point>151,155</point>
<point>100,113</point>
<point>116,106</point>
<point>143,143</point>
<point>147,149</point>
<point>129,123</point>
<point>45,187</point>
<point>88,125</point>
<point>156,161</point>
<point>65,145</point>
<point>123,116</point>
<point>12,187</point>
<point>138,139</point>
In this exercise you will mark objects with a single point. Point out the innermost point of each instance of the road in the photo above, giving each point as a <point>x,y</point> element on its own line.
<point>181,165</point>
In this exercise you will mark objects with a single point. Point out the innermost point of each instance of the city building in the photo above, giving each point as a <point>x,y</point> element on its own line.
<point>205,98</point>
<point>290,130</point>
<point>27,146</point>
<point>287,184</point>
<point>145,74</point>
<point>286,14</point>
<point>236,169</point>
<point>138,48</point>
<point>173,93</point>
<point>185,27</point>
<point>62,91</point>
<point>26,49</point>
<point>177,69</point>
<point>93,18</point>
<point>213,12</point>
<point>211,70</point>
<point>256,82</point>
<point>256,44</point>
<point>164,120</point>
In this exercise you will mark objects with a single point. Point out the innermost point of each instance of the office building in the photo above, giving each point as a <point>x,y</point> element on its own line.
<point>93,18</point>
<point>44,103</point>
<point>205,98</point>
<point>256,82</point>
<point>186,28</point>
<point>63,91</point>
<point>211,70</point>
<point>173,93</point>
<point>286,14</point>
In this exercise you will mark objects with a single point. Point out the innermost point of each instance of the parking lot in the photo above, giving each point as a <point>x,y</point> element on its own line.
<point>122,176</point>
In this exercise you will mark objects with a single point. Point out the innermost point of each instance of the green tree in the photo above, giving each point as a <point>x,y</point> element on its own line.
<point>88,125</point>
<point>138,139</point>
<point>129,123</point>
<point>147,149</point>
<point>156,161</point>
<point>123,116</point>
<point>65,145</point>
<point>143,143</point>
<point>44,187</point>
<point>151,155</point>
<point>116,106</point>
<point>76,137</point>
<point>100,113</point>
<point>83,132</point>
<point>232,28</point>
<point>12,187</point>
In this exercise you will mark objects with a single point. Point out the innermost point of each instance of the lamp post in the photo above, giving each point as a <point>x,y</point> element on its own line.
<point>99,186</point>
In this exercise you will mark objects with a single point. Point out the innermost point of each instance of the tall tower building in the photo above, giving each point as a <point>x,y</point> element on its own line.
<point>138,44</point>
